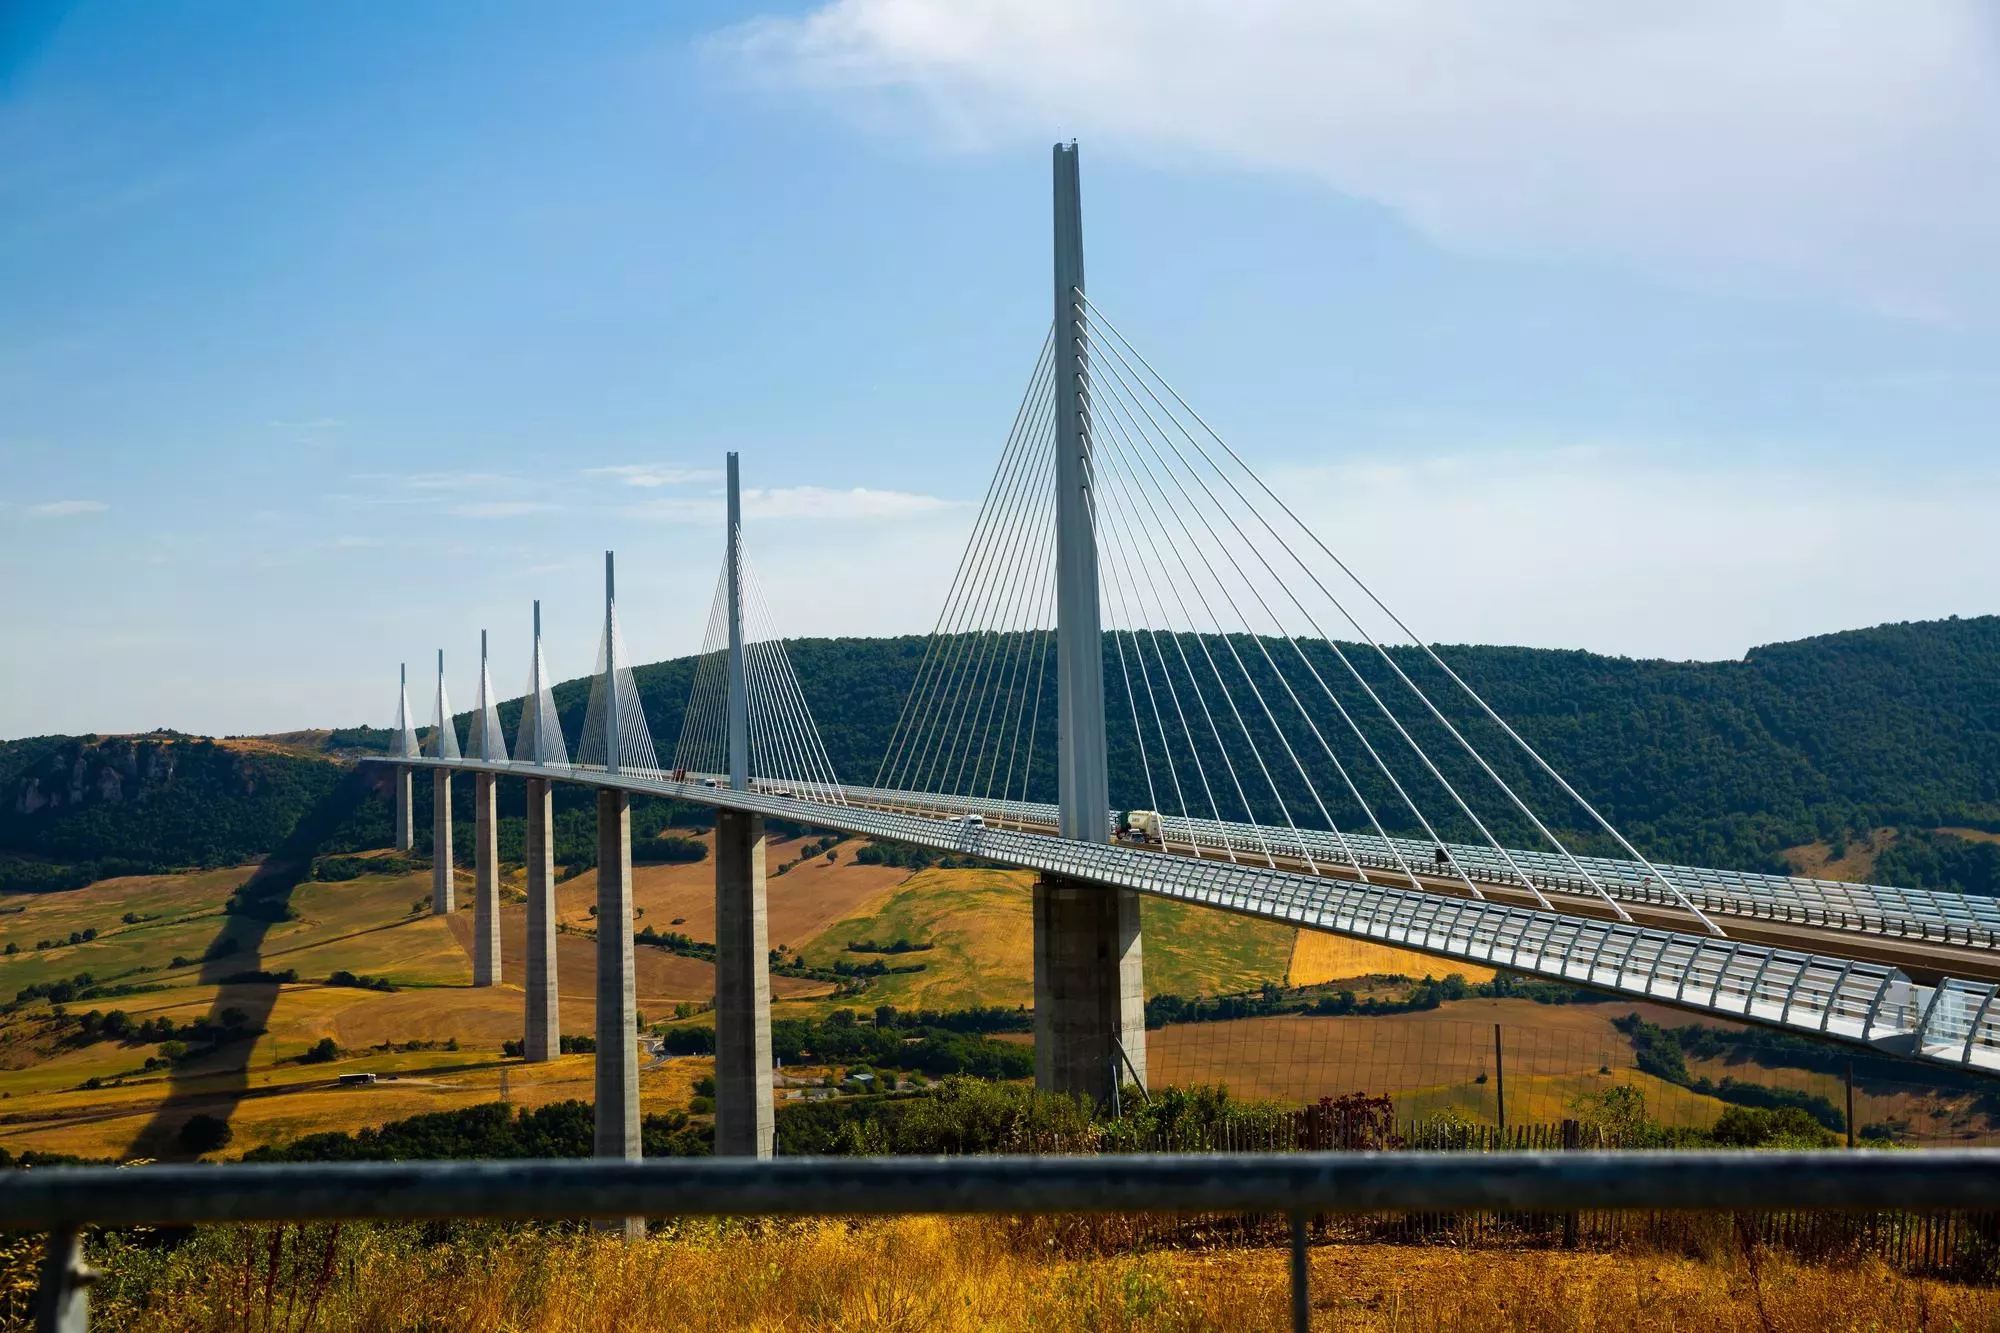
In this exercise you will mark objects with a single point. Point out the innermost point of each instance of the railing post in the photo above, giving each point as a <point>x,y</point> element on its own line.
<point>62,1302</point>
<point>1301,1277</point>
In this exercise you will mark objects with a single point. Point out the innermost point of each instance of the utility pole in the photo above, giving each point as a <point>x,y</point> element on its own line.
<point>1090,1003</point>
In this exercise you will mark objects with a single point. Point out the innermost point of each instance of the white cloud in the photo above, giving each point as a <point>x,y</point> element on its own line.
<point>654,474</point>
<point>457,481</point>
<point>796,502</point>
<point>497,508</point>
<point>65,508</point>
<point>1836,149</point>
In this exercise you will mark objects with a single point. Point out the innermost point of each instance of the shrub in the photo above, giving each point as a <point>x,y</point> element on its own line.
<point>204,1134</point>
<point>323,1051</point>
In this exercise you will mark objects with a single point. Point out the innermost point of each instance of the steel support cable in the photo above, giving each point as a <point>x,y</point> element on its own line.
<point>1044,608</point>
<point>1249,812</point>
<point>1039,541</point>
<point>1298,839</point>
<point>709,744</point>
<point>1005,607</point>
<point>925,723</point>
<point>931,709</point>
<point>998,553</point>
<point>1042,360</point>
<point>788,759</point>
<point>1428,651</point>
<point>1173,693</point>
<point>1325,746</point>
<point>1035,721</point>
<point>1166,746</point>
<point>1180,714</point>
<point>1507,855</point>
<point>1425,758</point>
<point>1117,456</point>
<point>1132,705</point>
<point>1127,467</point>
<point>1375,755</point>
<point>793,700</point>
<point>694,714</point>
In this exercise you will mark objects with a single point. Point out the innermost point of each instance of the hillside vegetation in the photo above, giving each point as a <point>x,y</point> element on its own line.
<point>1726,763</point>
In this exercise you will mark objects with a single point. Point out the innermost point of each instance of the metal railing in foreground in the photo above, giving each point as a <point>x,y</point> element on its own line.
<point>63,1200</point>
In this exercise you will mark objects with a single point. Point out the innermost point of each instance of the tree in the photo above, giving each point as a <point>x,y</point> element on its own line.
<point>205,1134</point>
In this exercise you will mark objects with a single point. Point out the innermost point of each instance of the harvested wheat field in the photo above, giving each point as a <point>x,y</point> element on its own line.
<point>1320,957</point>
<point>943,1274</point>
<point>810,895</point>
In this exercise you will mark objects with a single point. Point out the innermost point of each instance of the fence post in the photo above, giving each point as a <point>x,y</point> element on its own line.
<point>62,1305</point>
<point>1850,1103</point>
<point>1572,1139</point>
<point>1499,1080</point>
<point>1301,1278</point>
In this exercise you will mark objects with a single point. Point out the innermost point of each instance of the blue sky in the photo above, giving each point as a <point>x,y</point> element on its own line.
<point>333,334</point>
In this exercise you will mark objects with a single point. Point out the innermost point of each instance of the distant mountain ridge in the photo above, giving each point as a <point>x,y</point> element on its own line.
<point>1722,763</point>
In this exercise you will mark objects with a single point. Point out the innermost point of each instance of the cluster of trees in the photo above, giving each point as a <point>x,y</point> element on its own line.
<point>494,1130</point>
<point>343,977</point>
<point>897,945</point>
<point>1422,994</point>
<point>1662,1052</point>
<point>923,1043</point>
<point>176,1041</point>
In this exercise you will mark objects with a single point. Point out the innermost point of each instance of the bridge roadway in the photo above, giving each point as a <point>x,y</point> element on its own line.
<point>1929,933</point>
<point>1953,1021</point>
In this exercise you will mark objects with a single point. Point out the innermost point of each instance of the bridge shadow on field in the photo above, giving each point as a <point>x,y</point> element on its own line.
<point>199,1087</point>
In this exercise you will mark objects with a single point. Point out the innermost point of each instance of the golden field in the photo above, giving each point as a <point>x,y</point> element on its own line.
<point>975,1274</point>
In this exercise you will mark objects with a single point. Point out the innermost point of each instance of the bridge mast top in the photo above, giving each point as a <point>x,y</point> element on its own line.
<point>739,699</point>
<point>1083,789</point>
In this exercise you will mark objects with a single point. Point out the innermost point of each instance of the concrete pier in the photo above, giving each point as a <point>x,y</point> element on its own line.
<point>744,1125</point>
<point>541,1036</point>
<point>1090,995</point>
<point>617,1126</point>
<point>406,831</point>
<point>444,896</point>
<point>486,880</point>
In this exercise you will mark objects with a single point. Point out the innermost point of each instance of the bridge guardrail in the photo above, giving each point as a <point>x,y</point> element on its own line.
<point>1955,1023</point>
<point>64,1200</point>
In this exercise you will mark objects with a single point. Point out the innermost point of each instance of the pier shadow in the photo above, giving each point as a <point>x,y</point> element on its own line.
<point>263,901</point>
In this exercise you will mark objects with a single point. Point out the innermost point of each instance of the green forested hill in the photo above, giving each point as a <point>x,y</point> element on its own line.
<point>1722,763</point>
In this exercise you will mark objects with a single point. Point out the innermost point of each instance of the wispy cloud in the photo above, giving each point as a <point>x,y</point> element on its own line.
<point>497,508</point>
<point>1840,148</point>
<point>654,474</point>
<point>796,502</point>
<point>64,508</point>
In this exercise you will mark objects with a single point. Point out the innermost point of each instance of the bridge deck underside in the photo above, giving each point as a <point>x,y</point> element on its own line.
<point>1954,1022</point>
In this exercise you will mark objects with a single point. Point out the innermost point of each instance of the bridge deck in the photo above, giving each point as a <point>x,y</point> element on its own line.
<point>1953,1022</point>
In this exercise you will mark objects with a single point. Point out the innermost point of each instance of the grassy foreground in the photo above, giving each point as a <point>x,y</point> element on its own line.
<point>965,1274</point>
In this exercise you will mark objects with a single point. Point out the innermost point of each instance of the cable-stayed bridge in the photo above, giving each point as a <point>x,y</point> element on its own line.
<point>1153,674</point>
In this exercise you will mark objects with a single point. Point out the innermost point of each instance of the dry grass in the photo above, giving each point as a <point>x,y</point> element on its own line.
<point>942,1274</point>
<point>1855,866</point>
<point>1319,957</point>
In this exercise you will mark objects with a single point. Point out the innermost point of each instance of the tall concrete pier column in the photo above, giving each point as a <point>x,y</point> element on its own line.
<point>1090,994</point>
<point>744,1126</point>
<point>617,1127</point>
<point>541,1036</point>
<point>406,833</point>
<point>744,1123</point>
<point>486,880</point>
<point>1090,1000</point>
<point>444,896</point>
